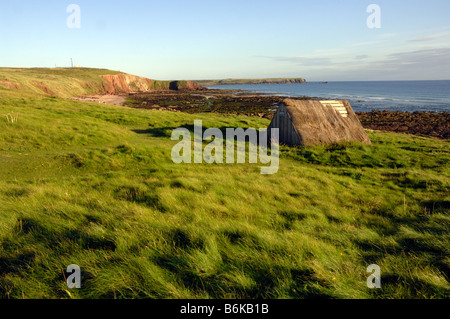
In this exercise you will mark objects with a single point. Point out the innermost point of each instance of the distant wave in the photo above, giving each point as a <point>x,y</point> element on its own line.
<point>392,95</point>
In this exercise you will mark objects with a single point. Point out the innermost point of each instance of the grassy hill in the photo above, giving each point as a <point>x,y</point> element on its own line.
<point>71,82</point>
<point>94,185</point>
<point>59,82</point>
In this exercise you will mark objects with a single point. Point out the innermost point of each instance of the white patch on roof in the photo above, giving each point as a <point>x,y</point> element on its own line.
<point>338,106</point>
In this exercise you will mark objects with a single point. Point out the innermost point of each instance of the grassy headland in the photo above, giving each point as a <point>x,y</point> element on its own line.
<point>250,81</point>
<point>71,82</point>
<point>58,82</point>
<point>94,185</point>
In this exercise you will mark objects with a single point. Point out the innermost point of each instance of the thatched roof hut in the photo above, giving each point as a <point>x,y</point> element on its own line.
<point>310,122</point>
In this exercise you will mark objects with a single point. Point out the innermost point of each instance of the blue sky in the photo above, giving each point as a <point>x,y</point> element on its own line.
<point>199,39</point>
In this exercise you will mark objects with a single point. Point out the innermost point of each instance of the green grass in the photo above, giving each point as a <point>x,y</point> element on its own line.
<point>61,82</point>
<point>64,82</point>
<point>94,185</point>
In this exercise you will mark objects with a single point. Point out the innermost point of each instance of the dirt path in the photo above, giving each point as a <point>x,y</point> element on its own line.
<point>105,99</point>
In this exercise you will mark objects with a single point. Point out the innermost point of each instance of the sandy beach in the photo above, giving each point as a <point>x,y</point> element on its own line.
<point>105,99</point>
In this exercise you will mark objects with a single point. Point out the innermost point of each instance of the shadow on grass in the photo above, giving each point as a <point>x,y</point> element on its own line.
<point>373,253</point>
<point>166,132</point>
<point>415,287</point>
<point>59,238</point>
<point>140,196</point>
<point>17,264</point>
<point>437,206</point>
<point>268,282</point>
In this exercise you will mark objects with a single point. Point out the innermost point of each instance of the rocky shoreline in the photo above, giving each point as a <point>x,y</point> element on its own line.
<point>264,106</point>
<point>418,123</point>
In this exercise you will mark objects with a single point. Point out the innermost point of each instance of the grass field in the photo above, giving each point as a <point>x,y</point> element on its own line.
<point>58,82</point>
<point>64,82</point>
<point>94,185</point>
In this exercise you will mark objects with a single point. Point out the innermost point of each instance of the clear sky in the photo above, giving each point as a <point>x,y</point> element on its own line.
<point>207,39</point>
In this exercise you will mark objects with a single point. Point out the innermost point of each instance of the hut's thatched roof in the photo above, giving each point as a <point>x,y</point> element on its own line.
<point>316,122</point>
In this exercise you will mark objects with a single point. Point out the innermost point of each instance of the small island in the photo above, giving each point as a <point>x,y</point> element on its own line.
<point>250,81</point>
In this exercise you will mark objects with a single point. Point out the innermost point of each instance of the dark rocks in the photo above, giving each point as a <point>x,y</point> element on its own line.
<point>417,123</point>
<point>264,106</point>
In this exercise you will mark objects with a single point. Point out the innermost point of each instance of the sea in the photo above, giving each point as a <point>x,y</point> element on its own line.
<point>411,96</point>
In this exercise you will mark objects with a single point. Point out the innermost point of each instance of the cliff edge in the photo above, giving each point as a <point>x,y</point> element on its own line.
<point>72,82</point>
<point>127,83</point>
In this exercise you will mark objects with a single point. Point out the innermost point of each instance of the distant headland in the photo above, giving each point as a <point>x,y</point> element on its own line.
<point>250,81</point>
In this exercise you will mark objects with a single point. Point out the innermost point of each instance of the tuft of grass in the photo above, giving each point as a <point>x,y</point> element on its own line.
<point>11,118</point>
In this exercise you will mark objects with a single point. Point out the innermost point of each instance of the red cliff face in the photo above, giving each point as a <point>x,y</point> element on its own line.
<point>10,85</point>
<point>186,86</point>
<point>126,83</point>
<point>193,86</point>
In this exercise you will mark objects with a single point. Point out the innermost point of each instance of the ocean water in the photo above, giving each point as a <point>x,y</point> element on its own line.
<point>366,96</point>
